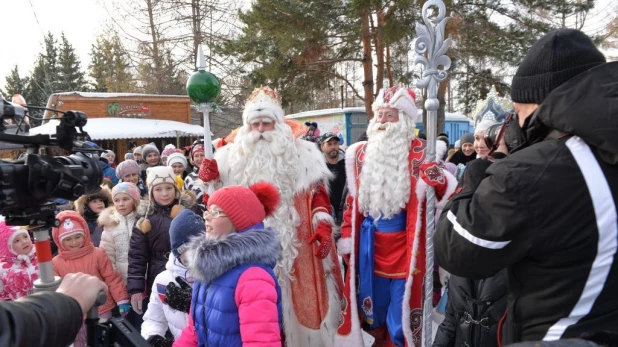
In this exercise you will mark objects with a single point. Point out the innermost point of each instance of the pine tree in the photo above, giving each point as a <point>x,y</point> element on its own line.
<point>109,66</point>
<point>70,76</point>
<point>15,84</point>
<point>44,77</point>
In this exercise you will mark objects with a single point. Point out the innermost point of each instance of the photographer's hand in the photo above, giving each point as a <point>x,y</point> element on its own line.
<point>83,288</point>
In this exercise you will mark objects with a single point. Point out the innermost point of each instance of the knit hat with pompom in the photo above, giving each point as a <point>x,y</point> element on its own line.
<point>246,207</point>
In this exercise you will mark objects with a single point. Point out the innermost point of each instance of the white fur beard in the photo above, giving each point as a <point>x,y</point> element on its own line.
<point>272,159</point>
<point>385,178</point>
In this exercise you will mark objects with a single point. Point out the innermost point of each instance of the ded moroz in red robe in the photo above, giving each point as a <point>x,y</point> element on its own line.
<point>349,332</point>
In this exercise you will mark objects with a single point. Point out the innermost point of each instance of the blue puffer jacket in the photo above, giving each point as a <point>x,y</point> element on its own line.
<point>234,282</point>
<point>108,171</point>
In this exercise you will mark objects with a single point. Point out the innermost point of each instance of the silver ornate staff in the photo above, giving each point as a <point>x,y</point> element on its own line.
<point>431,48</point>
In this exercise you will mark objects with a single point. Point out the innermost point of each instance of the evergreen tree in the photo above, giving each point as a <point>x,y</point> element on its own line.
<point>70,76</point>
<point>44,78</point>
<point>15,84</point>
<point>109,67</point>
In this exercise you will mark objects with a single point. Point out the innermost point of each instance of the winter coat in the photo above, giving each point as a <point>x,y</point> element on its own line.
<point>94,263</point>
<point>108,171</point>
<point>159,316</point>
<point>197,186</point>
<point>42,319</point>
<point>115,239</point>
<point>234,280</point>
<point>81,206</point>
<point>547,212</point>
<point>149,247</point>
<point>473,312</point>
<point>17,275</point>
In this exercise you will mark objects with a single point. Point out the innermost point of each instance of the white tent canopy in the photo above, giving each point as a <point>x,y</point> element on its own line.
<point>127,128</point>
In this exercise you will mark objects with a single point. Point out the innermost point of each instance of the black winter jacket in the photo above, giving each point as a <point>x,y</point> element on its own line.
<point>150,247</point>
<point>473,312</point>
<point>548,214</point>
<point>42,319</point>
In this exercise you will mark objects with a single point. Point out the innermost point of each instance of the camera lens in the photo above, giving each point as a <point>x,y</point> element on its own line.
<point>491,135</point>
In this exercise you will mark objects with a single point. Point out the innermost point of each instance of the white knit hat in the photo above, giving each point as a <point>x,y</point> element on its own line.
<point>158,175</point>
<point>400,98</point>
<point>177,158</point>
<point>263,102</point>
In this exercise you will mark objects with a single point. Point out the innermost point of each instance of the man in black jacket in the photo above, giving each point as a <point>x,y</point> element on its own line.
<point>49,318</point>
<point>547,212</point>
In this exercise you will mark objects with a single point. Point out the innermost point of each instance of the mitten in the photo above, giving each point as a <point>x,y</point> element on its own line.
<point>179,298</point>
<point>136,303</point>
<point>432,174</point>
<point>124,309</point>
<point>159,341</point>
<point>324,236</point>
<point>209,170</point>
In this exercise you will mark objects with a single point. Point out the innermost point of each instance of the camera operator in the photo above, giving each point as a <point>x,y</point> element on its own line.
<point>49,318</point>
<point>547,211</point>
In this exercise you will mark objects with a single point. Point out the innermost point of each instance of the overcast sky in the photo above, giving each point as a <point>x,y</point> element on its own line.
<point>25,22</point>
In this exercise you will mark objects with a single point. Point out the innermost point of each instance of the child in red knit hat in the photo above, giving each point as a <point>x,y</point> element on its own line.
<point>76,253</point>
<point>233,270</point>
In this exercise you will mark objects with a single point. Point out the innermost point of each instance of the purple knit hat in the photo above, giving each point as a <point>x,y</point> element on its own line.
<point>126,168</point>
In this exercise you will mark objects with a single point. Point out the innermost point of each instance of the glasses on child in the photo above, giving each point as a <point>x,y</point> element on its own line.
<point>214,214</point>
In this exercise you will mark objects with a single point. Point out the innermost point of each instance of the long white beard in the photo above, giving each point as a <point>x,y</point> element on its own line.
<point>274,159</point>
<point>385,177</point>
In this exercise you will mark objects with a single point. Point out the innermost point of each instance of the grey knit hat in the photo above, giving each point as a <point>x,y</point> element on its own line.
<point>149,148</point>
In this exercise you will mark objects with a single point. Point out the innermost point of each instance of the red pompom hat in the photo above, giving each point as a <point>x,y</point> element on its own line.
<point>246,207</point>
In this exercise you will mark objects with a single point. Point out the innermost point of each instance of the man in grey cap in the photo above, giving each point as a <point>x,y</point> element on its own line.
<point>335,160</point>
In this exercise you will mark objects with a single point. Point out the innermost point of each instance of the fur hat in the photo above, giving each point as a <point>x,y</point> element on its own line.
<point>7,235</point>
<point>246,207</point>
<point>400,98</point>
<point>148,149</point>
<point>127,188</point>
<point>104,194</point>
<point>183,227</point>
<point>263,102</point>
<point>177,158</point>
<point>126,168</point>
<point>158,175</point>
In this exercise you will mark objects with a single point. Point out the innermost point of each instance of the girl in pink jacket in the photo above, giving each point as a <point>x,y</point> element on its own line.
<point>18,264</point>
<point>236,300</point>
<point>76,253</point>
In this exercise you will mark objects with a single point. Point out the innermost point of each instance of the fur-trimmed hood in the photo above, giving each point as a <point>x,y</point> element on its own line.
<point>211,258</point>
<point>80,203</point>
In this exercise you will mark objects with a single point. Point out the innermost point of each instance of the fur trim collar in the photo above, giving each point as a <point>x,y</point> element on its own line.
<point>312,168</point>
<point>80,203</point>
<point>211,258</point>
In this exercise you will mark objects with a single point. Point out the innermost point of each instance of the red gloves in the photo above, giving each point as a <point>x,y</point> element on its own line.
<point>433,175</point>
<point>209,170</point>
<point>323,235</point>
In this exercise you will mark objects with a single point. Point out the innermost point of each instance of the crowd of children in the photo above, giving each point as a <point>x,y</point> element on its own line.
<point>147,240</point>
